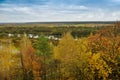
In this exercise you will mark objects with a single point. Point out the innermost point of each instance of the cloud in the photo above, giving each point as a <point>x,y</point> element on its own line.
<point>41,9</point>
<point>50,12</point>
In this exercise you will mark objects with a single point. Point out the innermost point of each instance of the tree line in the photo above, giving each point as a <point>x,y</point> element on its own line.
<point>56,31</point>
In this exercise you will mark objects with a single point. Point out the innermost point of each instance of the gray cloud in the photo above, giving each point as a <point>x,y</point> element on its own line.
<point>49,12</point>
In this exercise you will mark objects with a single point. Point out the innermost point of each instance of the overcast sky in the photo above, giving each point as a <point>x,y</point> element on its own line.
<point>59,10</point>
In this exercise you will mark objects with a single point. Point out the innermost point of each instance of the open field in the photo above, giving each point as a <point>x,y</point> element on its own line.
<point>59,24</point>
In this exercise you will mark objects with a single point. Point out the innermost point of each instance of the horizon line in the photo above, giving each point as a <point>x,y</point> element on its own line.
<point>26,22</point>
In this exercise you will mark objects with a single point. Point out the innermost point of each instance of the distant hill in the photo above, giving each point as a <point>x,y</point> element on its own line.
<point>75,22</point>
<point>66,22</point>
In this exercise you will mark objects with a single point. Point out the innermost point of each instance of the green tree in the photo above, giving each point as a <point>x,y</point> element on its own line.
<point>43,47</point>
<point>44,51</point>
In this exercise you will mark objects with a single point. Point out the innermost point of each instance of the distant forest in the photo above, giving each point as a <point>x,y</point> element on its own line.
<point>77,29</point>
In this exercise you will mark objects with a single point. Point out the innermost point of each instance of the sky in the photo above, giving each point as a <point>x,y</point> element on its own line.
<point>59,10</point>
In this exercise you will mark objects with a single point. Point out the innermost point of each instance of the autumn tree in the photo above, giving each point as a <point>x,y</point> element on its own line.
<point>107,43</point>
<point>31,66</point>
<point>9,61</point>
<point>73,56</point>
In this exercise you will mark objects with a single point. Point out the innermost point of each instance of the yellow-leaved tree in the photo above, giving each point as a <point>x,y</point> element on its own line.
<point>73,56</point>
<point>107,43</point>
<point>98,67</point>
<point>63,52</point>
<point>8,60</point>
